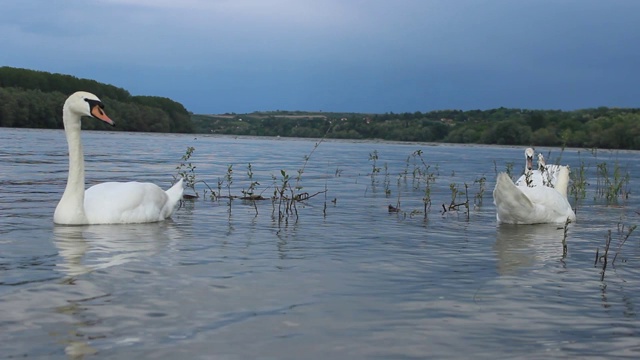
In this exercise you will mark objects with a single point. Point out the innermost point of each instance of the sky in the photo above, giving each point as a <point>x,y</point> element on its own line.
<point>370,56</point>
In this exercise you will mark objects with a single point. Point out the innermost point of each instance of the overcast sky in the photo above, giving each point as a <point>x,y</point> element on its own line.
<point>217,56</point>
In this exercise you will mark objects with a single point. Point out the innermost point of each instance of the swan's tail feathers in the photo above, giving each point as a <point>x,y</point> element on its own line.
<point>175,193</point>
<point>512,205</point>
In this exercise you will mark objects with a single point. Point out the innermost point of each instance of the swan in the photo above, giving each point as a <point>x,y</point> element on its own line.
<point>544,175</point>
<point>549,172</point>
<point>110,202</point>
<point>527,178</point>
<point>532,205</point>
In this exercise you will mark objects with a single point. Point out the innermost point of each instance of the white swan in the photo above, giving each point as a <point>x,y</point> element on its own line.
<point>544,175</point>
<point>549,172</point>
<point>532,205</point>
<point>110,202</point>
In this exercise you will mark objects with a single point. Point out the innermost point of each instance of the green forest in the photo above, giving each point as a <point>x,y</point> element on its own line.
<point>34,99</point>
<point>601,127</point>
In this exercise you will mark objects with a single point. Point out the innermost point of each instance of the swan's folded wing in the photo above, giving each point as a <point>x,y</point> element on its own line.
<point>550,206</point>
<point>130,202</point>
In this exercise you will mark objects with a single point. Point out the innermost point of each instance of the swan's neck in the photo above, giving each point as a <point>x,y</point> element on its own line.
<point>70,209</point>
<point>563,181</point>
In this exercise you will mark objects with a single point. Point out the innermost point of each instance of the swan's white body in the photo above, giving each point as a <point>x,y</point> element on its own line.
<point>532,205</point>
<point>111,202</point>
<point>545,175</point>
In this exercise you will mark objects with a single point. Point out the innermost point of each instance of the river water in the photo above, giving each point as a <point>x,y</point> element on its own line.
<point>341,277</point>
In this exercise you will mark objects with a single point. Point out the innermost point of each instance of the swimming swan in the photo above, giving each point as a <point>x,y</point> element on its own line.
<point>110,202</point>
<point>549,172</point>
<point>544,175</point>
<point>532,205</point>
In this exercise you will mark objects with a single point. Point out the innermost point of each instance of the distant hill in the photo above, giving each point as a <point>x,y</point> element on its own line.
<point>34,99</point>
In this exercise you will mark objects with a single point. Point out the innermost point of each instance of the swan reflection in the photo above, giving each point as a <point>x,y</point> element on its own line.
<point>83,249</point>
<point>87,248</point>
<point>519,246</point>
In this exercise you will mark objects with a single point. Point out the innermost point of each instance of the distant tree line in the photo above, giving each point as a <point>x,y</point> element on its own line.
<point>601,127</point>
<point>34,99</point>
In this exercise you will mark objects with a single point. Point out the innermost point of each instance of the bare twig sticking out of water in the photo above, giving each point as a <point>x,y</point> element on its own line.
<point>466,194</point>
<point>623,239</point>
<point>623,236</point>
<point>249,193</point>
<point>454,193</point>
<point>603,259</point>
<point>564,238</point>
<point>399,190</point>
<point>324,209</point>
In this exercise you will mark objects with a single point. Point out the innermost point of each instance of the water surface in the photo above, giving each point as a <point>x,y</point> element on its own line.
<point>344,279</point>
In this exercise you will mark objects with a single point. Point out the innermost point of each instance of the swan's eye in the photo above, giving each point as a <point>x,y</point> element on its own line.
<point>94,103</point>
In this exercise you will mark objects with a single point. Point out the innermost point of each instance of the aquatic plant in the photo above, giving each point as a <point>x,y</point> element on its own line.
<point>509,168</point>
<point>454,193</point>
<point>387,181</point>
<point>373,157</point>
<point>426,199</point>
<point>187,171</point>
<point>421,173</point>
<point>399,185</point>
<point>578,187</point>
<point>611,185</point>
<point>228,178</point>
<point>249,194</point>
<point>286,195</point>
<point>482,182</point>
<point>421,169</point>
<point>466,203</point>
<point>285,205</point>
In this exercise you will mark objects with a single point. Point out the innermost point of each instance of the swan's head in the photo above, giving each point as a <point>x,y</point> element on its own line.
<point>541,163</point>
<point>86,104</point>
<point>528,154</point>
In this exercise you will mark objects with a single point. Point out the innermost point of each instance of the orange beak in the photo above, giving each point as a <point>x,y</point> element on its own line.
<point>99,114</point>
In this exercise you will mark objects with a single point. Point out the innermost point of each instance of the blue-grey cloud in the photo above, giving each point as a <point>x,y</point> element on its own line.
<point>371,56</point>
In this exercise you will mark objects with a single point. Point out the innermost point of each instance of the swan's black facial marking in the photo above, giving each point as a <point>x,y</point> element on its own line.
<point>96,110</point>
<point>93,103</point>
